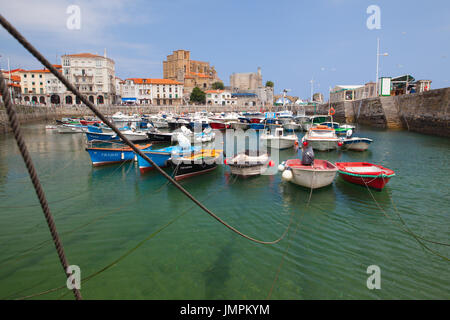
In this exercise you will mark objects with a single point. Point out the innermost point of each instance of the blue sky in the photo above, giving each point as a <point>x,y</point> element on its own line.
<point>292,41</point>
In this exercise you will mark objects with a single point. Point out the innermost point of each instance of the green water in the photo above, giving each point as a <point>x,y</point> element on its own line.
<point>102,213</point>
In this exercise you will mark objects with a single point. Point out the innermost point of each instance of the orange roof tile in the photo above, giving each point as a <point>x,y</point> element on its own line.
<point>214,91</point>
<point>153,81</point>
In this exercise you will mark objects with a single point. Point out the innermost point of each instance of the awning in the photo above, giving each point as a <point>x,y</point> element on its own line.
<point>128,99</point>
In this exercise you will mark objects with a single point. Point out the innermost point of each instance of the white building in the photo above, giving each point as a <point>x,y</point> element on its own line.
<point>220,97</point>
<point>146,91</point>
<point>92,75</point>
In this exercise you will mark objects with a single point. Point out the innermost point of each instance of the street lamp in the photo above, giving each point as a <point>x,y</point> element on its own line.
<point>378,63</point>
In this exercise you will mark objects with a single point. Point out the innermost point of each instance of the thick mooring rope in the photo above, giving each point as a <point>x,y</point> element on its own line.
<point>14,122</point>
<point>30,48</point>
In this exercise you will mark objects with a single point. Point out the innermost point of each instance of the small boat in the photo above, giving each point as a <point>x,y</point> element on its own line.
<point>72,128</point>
<point>341,130</point>
<point>278,140</point>
<point>108,155</point>
<point>242,123</point>
<point>101,136</point>
<point>248,163</point>
<point>291,126</point>
<point>320,174</point>
<point>161,156</point>
<point>322,138</point>
<point>197,163</point>
<point>135,136</point>
<point>200,137</point>
<point>155,135</point>
<point>364,173</point>
<point>219,125</point>
<point>51,127</point>
<point>356,144</point>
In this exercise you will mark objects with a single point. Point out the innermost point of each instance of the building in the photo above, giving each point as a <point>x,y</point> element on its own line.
<point>353,92</point>
<point>145,91</point>
<point>192,73</point>
<point>220,97</point>
<point>252,83</point>
<point>13,84</point>
<point>242,82</point>
<point>92,75</point>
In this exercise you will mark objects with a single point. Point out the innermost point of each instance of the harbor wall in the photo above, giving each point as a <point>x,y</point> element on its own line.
<point>426,112</point>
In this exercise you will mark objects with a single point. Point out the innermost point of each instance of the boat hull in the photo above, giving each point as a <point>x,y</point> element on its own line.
<point>323,144</point>
<point>104,156</point>
<point>159,137</point>
<point>101,136</point>
<point>278,143</point>
<point>357,144</point>
<point>375,183</point>
<point>320,175</point>
<point>365,174</point>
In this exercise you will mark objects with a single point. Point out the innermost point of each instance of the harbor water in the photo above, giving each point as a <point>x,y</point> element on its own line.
<point>154,243</point>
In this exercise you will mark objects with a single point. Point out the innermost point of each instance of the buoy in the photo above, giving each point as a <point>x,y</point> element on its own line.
<point>287,175</point>
<point>281,167</point>
<point>340,144</point>
<point>225,161</point>
<point>271,163</point>
<point>305,143</point>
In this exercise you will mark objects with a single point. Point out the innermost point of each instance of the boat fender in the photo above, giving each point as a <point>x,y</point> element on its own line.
<point>340,143</point>
<point>287,175</point>
<point>271,163</point>
<point>281,167</point>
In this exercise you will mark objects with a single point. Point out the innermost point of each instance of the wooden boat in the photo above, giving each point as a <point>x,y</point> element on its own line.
<point>278,140</point>
<point>161,156</point>
<point>366,174</point>
<point>248,163</point>
<point>197,163</point>
<point>320,174</point>
<point>107,155</point>
<point>322,138</point>
<point>356,144</point>
<point>155,135</point>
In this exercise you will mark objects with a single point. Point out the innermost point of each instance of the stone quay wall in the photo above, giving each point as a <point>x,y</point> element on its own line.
<point>426,112</point>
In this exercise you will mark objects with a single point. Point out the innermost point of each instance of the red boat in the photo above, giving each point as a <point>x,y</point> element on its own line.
<point>86,122</point>
<point>364,173</point>
<point>219,125</point>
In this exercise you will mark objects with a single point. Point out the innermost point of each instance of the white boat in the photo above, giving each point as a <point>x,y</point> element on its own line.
<point>318,175</point>
<point>246,164</point>
<point>119,116</point>
<point>356,143</point>
<point>278,140</point>
<point>291,126</point>
<point>135,135</point>
<point>72,128</point>
<point>322,138</point>
<point>206,136</point>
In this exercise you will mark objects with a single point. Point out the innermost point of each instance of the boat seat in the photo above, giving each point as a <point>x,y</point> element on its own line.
<point>363,169</point>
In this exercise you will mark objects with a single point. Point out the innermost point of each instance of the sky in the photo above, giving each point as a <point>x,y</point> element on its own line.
<point>293,42</point>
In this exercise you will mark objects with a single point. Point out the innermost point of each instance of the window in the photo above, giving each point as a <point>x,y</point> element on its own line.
<point>32,75</point>
<point>40,76</point>
<point>24,75</point>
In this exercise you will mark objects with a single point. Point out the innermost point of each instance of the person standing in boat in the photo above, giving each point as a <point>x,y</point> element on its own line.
<point>306,154</point>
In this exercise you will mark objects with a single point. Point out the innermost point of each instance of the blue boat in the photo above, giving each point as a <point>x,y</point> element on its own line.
<point>107,155</point>
<point>161,156</point>
<point>257,126</point>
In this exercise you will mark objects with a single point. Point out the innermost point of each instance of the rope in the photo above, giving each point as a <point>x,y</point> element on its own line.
<point>12,117</point>
<point>121,257</point>
<point>21,39</point>
<point>407,231</point>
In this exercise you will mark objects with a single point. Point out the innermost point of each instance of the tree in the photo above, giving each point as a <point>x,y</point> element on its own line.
<point>197,95</point>
<point>218,85</point>
<point>269,84</point>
